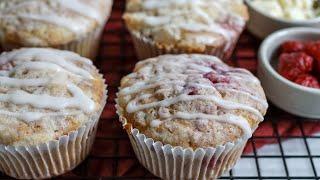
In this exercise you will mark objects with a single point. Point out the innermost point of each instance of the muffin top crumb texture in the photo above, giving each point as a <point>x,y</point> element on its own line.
<point>187,24</point>
<point>191,101</point>
<point>49,22</point>
<point>45,94</point>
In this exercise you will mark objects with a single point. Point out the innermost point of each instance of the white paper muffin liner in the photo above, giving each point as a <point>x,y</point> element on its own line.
<point>175,162</point>
<point>53,158</point>
<point>87,46</point>
<point>146,48</point>
<point>168,162</point>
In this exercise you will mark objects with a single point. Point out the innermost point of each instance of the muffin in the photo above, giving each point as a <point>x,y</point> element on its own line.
<point>74,25</point>
<point>189,116</point>
<point>176,27</point>
<point>50,103</point>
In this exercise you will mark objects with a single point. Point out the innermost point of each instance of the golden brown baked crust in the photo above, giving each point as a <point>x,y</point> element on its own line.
<point>193,26</point>
<point>191,101</point>
<point>43,23</point>
<point>45,94</point>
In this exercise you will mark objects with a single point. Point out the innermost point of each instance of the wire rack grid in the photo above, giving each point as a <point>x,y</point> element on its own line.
<point>113,158</point>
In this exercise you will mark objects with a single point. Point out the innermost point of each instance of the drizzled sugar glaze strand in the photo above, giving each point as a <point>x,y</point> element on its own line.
<point>237,120</point>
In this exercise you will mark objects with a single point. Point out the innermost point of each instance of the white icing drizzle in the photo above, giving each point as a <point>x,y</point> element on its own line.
<point>78,100</point>
<point>178,73</point>
<point>82,8</point>
<point>226,118</point>
<point>50,60</point>
<point>57,20</point>
<point>133,106</point>
<point>155,123</point>
<point>46,66</point>
<point>50,15</point>
<point>4,73</point>
<point>155,4</point>
<point>156,21</point>
<point>200,68</point>
<point>34,116</point>
<point>44,60</point>
<point>13,82</point>
<point>142,86</point>
<point>259,100</point>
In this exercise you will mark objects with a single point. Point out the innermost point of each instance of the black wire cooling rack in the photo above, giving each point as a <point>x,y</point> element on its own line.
<point>113,158</point>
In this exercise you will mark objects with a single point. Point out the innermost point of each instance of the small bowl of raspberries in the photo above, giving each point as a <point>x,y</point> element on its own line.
<point>289,70</point>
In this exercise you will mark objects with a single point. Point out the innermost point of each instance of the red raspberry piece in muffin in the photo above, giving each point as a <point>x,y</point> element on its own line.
<point>193,91</point>
<point>292,46</point>
<point>313,49</point>
<point>294,64</point>
<point>308,81</point>
<point>216,78</point>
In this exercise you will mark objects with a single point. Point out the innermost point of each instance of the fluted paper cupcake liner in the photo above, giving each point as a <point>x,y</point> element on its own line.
<point>170,162</point>
<point>88,46</point>
<point>53,158</point>
<point>146,48</point>
<point>48,159</point>
<point>175,162</point>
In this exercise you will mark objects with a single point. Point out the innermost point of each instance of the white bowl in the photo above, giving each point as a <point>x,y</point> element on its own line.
<point>262,24</point>
<point>291,97</point>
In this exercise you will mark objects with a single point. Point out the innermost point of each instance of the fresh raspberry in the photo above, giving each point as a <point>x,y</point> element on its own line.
<point>308,81</point>
<point>313,49</point>
<point>291,65</point>
<point>292,46</point>
<point>215,78</point>
<point>193,91</point>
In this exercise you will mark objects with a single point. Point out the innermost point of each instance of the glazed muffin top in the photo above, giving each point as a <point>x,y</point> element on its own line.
<point>50,22</point>
<point>191,101</point>
<point>46,93</point>
<point>186,24</point>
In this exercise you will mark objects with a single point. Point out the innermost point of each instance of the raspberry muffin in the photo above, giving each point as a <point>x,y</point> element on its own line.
<point>50,104</point>
<point>175,27</point>
<point>74,25</point>
<point>189,116</point>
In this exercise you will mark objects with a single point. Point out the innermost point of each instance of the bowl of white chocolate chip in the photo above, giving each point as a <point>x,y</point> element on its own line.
<point>272,15</point>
